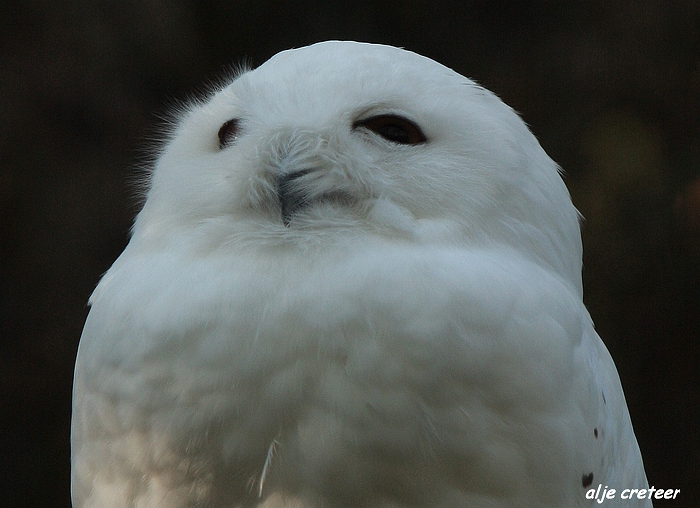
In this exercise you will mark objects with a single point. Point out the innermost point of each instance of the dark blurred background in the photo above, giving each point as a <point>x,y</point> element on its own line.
<point>611,88</point>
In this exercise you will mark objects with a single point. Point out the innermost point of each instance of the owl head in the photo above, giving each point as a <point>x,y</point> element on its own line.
<point>342,141</point>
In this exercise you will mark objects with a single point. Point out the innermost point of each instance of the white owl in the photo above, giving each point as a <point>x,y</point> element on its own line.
<point>355,282</point>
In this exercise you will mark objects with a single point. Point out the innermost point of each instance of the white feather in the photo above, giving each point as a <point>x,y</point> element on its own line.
<point>414,336</point>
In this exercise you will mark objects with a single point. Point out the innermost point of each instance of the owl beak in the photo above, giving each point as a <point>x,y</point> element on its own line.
<point>290,194</point>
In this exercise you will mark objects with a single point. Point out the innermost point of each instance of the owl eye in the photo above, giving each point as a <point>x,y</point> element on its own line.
<point>228,132</point>
<point>394,128</point>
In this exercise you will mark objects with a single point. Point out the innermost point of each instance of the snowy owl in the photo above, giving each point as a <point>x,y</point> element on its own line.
<point>355,282</point>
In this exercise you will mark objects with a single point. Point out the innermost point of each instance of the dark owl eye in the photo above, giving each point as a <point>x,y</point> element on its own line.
<point>393,128</point>
<point>228,133</point>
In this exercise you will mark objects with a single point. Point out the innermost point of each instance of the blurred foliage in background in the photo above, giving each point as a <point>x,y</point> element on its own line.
<point>610,87</point>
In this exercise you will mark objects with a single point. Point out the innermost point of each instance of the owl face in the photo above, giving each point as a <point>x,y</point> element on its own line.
<point>340,139</point>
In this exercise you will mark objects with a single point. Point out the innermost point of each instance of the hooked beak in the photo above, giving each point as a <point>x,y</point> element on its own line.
<point>290,194</point>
